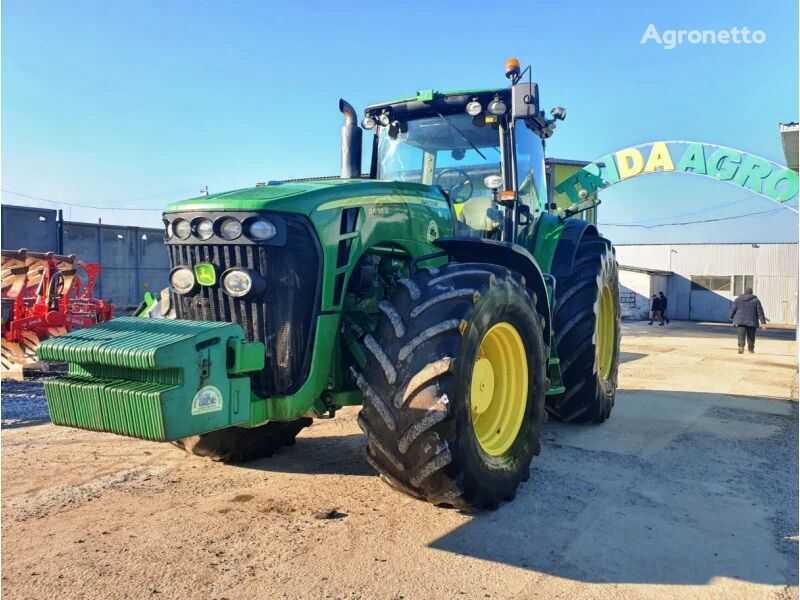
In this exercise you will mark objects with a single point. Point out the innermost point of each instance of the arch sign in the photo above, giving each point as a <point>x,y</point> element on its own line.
<point>771,180</point>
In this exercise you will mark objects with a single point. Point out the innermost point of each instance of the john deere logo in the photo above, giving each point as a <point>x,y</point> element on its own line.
<point>433,231</point>
<point>205,273</point>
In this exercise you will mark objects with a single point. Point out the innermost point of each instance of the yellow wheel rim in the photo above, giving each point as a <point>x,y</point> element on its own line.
<point>499,389</point>
<point>605,332</point>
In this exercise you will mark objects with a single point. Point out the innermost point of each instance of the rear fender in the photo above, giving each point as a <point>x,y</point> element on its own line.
<point>567,247</point>
<point>511,256</point>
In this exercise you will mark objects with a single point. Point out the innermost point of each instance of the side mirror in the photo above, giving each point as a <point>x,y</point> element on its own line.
<point>523,214</point>
<point>524,100</point>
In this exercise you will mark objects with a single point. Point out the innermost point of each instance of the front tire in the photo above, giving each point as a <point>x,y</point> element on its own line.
<point>446,333</point>
<point>587,334</point>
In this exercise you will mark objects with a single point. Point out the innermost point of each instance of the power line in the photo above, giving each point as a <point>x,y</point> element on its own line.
<point>60,202</point>
<point>155,196</point>
<point>688,214</point>
<point>642,226</point>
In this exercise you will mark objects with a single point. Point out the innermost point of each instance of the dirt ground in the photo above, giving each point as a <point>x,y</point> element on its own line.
<point>688,491</point>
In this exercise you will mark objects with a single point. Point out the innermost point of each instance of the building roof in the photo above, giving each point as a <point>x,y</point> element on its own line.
<point>565,161</point>
<point>711,244</point>
<point>789,139</point>
<point>645,270</point>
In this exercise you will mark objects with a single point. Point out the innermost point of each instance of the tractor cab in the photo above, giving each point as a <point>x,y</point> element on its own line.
<point>483,148</point>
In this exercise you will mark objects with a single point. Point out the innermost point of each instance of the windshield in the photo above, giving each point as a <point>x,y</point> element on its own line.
<point>456,152</point>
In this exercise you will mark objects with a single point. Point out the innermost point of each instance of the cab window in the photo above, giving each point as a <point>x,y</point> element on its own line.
<point>530,166</point>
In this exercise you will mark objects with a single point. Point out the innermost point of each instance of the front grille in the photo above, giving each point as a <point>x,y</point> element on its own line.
<point>283,318</point>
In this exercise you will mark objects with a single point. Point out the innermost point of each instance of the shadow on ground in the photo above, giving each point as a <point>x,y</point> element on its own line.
<point>23,404</point>
<point>676,488</point>
<point>694,329</point>
<point>330,455</point>
<point>625,357</point>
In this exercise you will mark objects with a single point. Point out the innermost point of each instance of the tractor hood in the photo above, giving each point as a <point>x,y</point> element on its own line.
<point>305,197</point>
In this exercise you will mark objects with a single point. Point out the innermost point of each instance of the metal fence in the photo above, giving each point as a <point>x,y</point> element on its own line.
<point>134,259</point>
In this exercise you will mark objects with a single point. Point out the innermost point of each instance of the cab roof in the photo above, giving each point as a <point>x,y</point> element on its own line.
<point>429,102</point>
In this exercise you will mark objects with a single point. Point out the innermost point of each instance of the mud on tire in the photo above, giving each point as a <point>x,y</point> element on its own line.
<point>588,396</point>
<point>416,412</point>
<point>242,444</point>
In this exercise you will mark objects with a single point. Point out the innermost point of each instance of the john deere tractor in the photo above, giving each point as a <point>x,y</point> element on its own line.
<point>443,291</point>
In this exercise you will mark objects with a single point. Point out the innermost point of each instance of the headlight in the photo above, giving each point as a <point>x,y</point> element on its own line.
<point>167,229</point>
<point>368,122</point>
<point>182,279</point>
<point>474,108</point>
<point>182,228</point>
<point>204,228</point>
<point>230,228</point>
<point>261,229</point>
<point>496,107</point>
<point>384,119</point>
<point>237,283</point>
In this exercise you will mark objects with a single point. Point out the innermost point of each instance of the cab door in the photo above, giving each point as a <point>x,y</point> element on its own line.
<point>531,187</point>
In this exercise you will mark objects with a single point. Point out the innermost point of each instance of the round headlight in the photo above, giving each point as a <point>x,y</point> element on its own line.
<point>368,122</point>
<point>384,119</point>
<point>261,229</point>
<point>182,228</point>
<point>167,229</point>
<point>182,280</point>
<point>496,107</point>
<point>230,228</point>
<point>204,228</point>
<point>237,283</point>
<point>474,108</point>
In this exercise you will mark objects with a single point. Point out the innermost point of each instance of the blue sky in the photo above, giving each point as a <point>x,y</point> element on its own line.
<point>136,104</point>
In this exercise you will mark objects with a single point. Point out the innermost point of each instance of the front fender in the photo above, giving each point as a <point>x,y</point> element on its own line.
<point>511,256</point>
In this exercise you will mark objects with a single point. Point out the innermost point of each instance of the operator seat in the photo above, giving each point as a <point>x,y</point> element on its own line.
<point>478,216</point>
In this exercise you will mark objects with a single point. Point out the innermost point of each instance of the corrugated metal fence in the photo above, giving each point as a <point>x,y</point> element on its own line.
<point>134,259</point>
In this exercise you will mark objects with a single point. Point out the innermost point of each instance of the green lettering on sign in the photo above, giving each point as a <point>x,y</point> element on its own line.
<point>693,160</point>
<point>723,163</point>
<point>750,172</point>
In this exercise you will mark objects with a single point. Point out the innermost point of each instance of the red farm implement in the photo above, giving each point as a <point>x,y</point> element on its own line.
<point>43,296</point>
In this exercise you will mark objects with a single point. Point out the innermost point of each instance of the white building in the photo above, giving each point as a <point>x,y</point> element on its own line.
<point>702,280</point>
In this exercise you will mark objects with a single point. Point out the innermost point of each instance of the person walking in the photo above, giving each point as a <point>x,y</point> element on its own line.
<point>746,314</point>
<point>655,310</point>
<point>663,299</point>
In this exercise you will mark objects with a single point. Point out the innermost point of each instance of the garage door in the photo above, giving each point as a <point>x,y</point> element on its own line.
<point>710,298</point>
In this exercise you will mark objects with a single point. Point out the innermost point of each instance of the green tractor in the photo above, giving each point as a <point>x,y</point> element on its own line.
<point>443,291</point>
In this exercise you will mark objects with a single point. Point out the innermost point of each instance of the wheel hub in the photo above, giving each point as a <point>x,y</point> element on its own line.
<point>499,389</point>
<point>482,387</point>
<point>605,332</point>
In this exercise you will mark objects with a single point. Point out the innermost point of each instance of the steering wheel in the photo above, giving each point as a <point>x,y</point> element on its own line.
<point>456,183</point>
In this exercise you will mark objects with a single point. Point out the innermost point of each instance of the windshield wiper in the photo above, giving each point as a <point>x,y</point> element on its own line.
<point>465,138</point>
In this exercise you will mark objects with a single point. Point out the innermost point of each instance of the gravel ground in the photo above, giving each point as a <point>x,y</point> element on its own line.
<point>689,491</point>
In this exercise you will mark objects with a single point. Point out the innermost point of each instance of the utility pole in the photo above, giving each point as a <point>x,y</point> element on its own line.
<point>204,191</point>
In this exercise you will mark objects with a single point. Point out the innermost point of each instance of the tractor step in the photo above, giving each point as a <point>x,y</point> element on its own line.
<point>157,379</point>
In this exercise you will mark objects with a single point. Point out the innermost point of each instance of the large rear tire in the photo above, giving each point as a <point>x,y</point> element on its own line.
<point>242,444</point>
<point>455,385</point>
<point>587,334</point>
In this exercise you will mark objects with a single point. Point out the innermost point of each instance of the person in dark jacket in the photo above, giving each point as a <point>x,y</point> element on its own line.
<point>663,299</point>
<point>656,313</point>
<point>746,314</point>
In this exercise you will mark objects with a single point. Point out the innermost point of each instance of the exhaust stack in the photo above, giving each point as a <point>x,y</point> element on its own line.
<point>351,142</point>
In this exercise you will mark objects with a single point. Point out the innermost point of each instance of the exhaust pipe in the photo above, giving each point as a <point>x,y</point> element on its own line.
<point>351,142</point>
